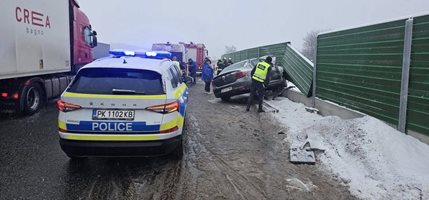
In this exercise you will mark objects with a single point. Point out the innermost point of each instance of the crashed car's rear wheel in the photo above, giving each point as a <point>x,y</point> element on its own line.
<point>225,98</point>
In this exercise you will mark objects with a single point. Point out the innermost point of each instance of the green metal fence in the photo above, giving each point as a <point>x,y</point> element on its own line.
<point>299,69</point>
<point>418,99</point>
<point>273,50</point>
<point>381,70</point>
<point>363,69</point>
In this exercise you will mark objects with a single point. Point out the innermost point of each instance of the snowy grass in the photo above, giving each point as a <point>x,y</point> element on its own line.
<point>374,159</point>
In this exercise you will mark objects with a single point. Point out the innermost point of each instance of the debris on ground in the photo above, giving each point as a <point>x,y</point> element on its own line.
<point>312,110</point>
<point>375,160</point>
<point>269,107</point>
<point>301,155</point>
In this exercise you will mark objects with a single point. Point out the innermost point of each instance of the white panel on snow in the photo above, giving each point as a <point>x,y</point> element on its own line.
<point>300,155</point>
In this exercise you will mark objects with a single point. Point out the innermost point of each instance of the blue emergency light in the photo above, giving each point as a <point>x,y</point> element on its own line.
<point>142,54</point>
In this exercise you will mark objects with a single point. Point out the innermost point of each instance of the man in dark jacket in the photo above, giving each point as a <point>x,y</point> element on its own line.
<point>207,75</point>
<point>193,70</point>
<point>260,80</point>
<point>220,66</point>
<point>230,61</point>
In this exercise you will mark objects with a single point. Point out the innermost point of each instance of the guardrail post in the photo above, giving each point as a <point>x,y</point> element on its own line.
<point>314,73</point>
<point>403,105</point>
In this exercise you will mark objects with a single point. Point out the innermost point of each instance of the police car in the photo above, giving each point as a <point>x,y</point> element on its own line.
<point>130,104</point>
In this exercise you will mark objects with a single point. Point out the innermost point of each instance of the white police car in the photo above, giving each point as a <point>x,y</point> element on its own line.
<point>128,105</point>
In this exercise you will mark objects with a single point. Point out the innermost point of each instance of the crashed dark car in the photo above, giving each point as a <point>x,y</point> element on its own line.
<point>235,79</point>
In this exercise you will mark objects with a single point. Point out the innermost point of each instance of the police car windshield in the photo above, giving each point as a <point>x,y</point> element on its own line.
<point>117,81</point>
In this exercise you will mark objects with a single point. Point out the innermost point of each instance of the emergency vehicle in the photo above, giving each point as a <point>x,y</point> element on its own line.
<point>130,104</point>
<point>184,52</point>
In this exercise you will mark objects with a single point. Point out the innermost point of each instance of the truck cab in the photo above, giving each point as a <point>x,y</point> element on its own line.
<point>84,38</point>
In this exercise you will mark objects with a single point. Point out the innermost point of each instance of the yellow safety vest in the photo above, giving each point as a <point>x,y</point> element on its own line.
<point>261,71</point>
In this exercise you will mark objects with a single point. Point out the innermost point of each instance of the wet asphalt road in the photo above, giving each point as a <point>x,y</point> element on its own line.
<point>229,154</point>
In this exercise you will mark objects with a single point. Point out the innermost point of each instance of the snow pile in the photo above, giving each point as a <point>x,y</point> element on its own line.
<point>375,160</point>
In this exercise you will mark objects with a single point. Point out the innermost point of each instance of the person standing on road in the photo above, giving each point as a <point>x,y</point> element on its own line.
<point>230,61</point>
<point>220,66</point>
<point>225,62</point>
<point>193,70</point>
<point>260,78</point>
<point>207,75</point>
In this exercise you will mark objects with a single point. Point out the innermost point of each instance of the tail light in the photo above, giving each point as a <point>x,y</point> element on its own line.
<point>15,96</point>
<point>240,74</point>
<point>165,108</point>
<point>66,107</point>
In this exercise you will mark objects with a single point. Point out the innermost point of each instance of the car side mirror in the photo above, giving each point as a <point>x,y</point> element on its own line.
<point>94,41</point>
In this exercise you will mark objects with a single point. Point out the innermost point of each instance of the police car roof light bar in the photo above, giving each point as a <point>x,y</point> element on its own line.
<point>142,54</point>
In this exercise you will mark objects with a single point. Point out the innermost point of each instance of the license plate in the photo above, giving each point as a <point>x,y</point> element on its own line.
<point>226,89</point>
<point>113,114</point>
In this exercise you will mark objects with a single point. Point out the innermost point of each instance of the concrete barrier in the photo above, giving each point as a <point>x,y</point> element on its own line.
<point>327,108</point>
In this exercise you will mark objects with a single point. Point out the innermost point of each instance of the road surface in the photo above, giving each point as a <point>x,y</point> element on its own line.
<point>229,154</point>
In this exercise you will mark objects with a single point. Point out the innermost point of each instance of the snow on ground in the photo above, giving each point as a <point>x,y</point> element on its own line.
<point>374,159</point>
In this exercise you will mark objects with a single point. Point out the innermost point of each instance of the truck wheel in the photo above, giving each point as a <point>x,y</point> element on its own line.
<point>225,98</point>
<point>31,99</point>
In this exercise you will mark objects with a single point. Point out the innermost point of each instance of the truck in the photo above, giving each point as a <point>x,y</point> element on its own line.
<point>43,42</point>
<point>184,51</point>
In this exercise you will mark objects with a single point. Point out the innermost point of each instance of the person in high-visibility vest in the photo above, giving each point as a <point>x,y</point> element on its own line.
<point>260,79</point>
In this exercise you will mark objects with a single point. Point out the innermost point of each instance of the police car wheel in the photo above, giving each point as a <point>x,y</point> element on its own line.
<point>225,98</point>
<point>178,152</point>
<point>31,99</point>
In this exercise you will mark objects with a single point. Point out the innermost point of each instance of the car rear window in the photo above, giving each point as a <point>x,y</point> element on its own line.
<point>233,67</point>
<point>105,80</point>
<point>254,61</point>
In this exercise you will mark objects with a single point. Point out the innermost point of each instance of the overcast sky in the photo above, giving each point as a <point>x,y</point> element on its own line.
<point>242,23</point>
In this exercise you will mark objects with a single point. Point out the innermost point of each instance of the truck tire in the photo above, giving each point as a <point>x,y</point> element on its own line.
<point>31,99</point>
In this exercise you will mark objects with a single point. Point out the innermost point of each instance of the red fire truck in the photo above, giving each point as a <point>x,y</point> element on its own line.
<point>184,52</point>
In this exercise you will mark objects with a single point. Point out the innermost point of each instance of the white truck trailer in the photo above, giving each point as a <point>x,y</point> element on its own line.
<point>41,43</point>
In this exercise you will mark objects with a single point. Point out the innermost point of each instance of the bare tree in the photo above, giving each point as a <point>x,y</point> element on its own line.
<point>230,49</point>
<point>309,46</point>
